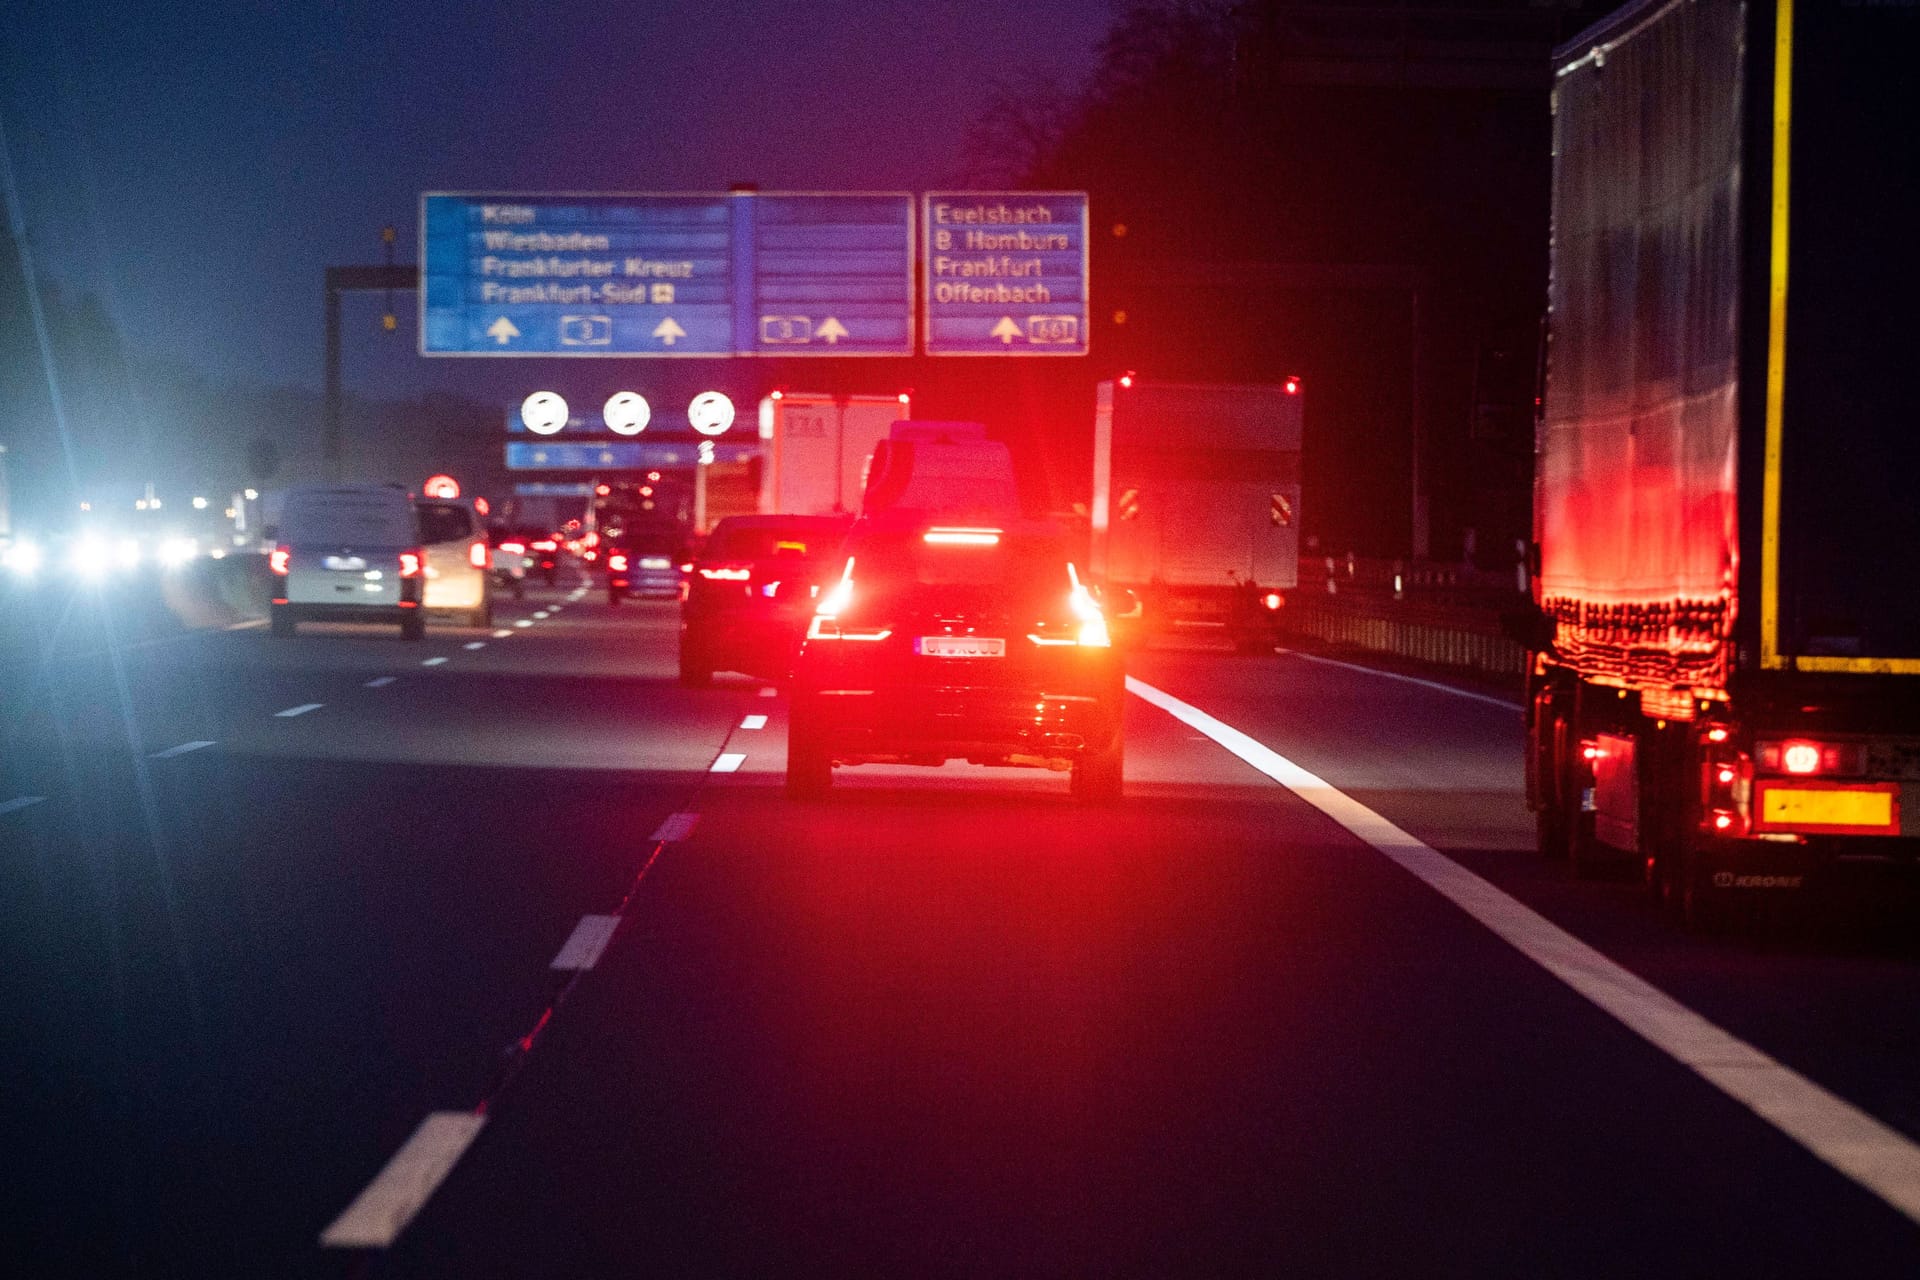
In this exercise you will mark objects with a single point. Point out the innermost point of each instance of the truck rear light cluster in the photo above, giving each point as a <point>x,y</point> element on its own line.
<point>411,562</point>
<point>1726,786</point>
<point>278,559</point>
<point>617,561</point>
<point>477,555</point>
<point>1807,759</point>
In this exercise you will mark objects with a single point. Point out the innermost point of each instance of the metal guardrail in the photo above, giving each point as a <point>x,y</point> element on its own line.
<point>1442,615</point>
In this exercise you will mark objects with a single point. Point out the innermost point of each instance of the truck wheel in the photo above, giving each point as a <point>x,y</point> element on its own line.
<point>613,598</point>
<point>283,622</point>
<point>1590,859</point>
<point>413,627</point>
<point>481,617</point>
<point>809,766</point>
<point>519,588</point>
<point>1550,831</point>
<point>1097,775</point>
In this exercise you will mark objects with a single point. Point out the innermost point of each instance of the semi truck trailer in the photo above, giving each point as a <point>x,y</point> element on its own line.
<point>1724,695</point>
<point>817,449</point>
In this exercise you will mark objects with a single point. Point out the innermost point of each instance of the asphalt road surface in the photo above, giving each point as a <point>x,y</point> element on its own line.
<point>502,954</point>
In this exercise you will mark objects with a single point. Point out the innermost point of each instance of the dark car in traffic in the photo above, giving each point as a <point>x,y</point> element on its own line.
<point>642,558</point>
<point>941,642</point>
<point>751,590</point>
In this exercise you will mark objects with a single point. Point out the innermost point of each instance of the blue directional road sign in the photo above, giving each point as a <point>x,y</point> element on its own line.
<point>527,455</point>
<point>666,275</point>
<point>832,275</point>
<point>1005,273</point>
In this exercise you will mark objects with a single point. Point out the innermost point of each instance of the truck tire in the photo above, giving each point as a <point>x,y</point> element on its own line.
<point>1098,775</point>
<point>413,627</point>
<point>283,621</point>
<point>809,765</point>
<point>483,616</point>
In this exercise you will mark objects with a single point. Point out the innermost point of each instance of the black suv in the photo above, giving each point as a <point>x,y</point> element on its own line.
<point>944,641</point>
<point>751,591</point>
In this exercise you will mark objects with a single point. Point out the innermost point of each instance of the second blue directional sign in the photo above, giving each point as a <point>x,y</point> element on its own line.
<point>666,275</point>
<point>1005,273</point>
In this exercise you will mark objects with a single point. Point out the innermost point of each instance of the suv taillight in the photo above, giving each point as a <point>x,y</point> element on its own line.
<point>825,624</point>
<point>411,562</point>
<point>277,559</point>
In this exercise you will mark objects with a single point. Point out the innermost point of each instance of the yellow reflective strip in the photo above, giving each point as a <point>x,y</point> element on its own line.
<point>1861,666</point>
<point>1770,655</point>
<point>1782,806</point>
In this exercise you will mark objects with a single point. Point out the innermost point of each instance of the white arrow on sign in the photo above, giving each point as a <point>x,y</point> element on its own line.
<point>667,331</point>
<point>502,331</point>
<point>831,330</point>
<point>1006,330</point>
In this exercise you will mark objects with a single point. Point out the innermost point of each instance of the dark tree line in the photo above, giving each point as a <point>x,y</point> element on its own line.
<point>1354,192</point>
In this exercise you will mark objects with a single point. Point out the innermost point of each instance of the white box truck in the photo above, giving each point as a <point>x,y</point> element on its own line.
<point>1196,501</point>
<point>817,449</point>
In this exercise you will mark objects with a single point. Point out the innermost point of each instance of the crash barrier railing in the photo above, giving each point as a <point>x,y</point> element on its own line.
<point>1443,615</point>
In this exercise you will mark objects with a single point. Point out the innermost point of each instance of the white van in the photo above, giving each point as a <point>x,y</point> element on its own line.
<point>458,559</point>
<point>348,553</point>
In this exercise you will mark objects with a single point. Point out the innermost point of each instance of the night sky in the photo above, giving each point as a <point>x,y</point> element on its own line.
<point>197,165</point>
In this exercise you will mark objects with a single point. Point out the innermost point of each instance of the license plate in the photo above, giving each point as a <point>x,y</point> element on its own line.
<point>1862,809</point>
<point>960,647</point>
<point>344,563</point>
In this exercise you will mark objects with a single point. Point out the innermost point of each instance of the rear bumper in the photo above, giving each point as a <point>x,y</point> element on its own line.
<point>760,643</point>
<point>934,724</point>
<point>457,589</point>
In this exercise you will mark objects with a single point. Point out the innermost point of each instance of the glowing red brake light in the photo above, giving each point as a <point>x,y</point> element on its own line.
<point>411,562</point>
<point>962,537</point>
<point>617,561</point>
<point>1273,600</point>
<point>1293,386</point>
<point>726,573</point>
<point>477,555</point>
<point>277,559</point>
<point>514,548</point>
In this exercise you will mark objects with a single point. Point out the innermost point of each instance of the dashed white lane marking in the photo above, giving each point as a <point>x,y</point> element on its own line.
<point>541,615</point>
<point>524,622</point>
<point>768,691</point>
<point>248,625</point>
<point>471,645</point>
<point>1395,675</point>
<point>1873,1155</point>
<point>19,802</point>
<point>180,750</point>
<point>754,722</point>
<point>584,945</point>
<point>676,826</point>
<point>300,710</point>
<point>432,662</point>
<point>503,633</point>
<point>728,762</point>
<point>379,1214</point>
<point>381,682</point>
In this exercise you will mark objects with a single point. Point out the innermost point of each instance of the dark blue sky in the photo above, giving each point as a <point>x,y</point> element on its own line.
<point>196,165</point>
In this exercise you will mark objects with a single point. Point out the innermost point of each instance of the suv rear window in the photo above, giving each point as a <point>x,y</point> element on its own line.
<point>1025,565</point>
<point>443,522</point>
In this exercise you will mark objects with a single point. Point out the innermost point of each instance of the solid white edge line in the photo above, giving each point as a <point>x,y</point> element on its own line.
<point>380,1213</point>
<point>587,941</point>
<point>432,662</point>
<point>728,762</point>
<point>1395,675</point>
<point>676,826</point>
<point>19,802</point>
<point>753,722</point>
<point>180,750</point>
<point>471,645</point>
<point>1875,1156</point>
<point>381,682</point>
<point>300,710</point>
